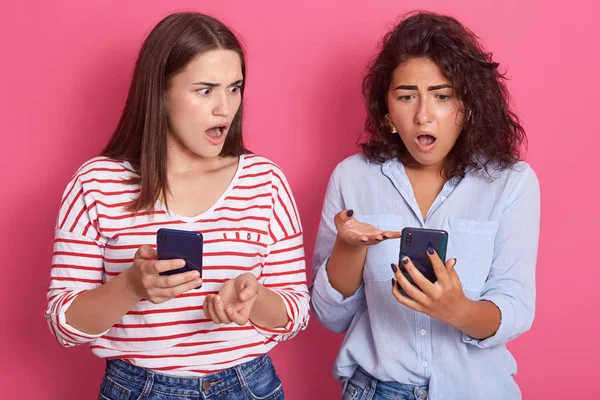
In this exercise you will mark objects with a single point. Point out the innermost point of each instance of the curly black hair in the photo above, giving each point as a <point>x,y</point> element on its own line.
<point>492,135</point>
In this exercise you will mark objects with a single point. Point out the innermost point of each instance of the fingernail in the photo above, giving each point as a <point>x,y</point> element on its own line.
<point>350,213</point>
<point>455,261</point>
<point>430,250</point>
<point>393,281</point>
<point>378,240</point>
<point>404,260</point>
<point>386,237</point>
<point>394,268</point>
<point>399,288</point>
<point>363,240</point>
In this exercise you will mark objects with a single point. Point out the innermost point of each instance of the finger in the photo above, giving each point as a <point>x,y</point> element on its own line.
<point>168,265</point>
<point>392,235</point>
<point>248,290</point>
<point>342,217</point>
<point>247,293</point>
<point>211,309</point>
<point>236,316</point>
<point>438,266</point>
<point>407,301</point>
<point>176,279</point>
<point>145,252</point>
<point>220,310</point>
<point>450,264</point>
<point>206,307</point>
<point>376,236</point>
<point>451,269</point>
<point>409,288</point>
<point>175,291</point>
<point>418,278</point>
<point>367,239</point>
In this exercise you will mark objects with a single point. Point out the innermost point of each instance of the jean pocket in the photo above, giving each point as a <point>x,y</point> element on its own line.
<point>350,392</point>
<point>381,255</point>
<point>111,390</point>
<point>264,384</point>
<point>472,244</point>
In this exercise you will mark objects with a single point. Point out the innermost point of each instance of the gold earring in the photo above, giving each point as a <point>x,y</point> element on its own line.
<point>389,124</point>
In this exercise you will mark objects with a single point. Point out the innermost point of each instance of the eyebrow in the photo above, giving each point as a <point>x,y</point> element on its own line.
<point>212,84</point>
<point>430,88</point>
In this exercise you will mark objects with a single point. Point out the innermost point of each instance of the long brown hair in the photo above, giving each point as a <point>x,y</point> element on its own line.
<point>492,135</point>
<point>140,136</point>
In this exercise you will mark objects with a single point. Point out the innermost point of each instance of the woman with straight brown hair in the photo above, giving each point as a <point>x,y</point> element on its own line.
<point>177,160</point>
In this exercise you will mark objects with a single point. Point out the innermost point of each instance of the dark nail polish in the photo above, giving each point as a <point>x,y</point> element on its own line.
<point>430,250</point>
<point>363,240</point>
<point>393,282</point>
<point>404,260</point>
<point>394,268</point>
<point>350,213</point>
<point>400,289</point>
<point>378,240</point>
<point>386,237</point>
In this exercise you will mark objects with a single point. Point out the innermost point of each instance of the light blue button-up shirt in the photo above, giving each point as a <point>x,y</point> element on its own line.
<point>493,227</point>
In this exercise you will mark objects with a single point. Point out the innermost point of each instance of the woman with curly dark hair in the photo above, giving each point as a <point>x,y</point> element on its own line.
<point>443,152</point>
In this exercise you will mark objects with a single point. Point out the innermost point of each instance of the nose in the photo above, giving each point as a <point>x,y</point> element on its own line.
<point>423,114</point>
<point>221,108</point>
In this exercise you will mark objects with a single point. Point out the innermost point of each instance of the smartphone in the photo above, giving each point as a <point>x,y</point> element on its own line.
<point>177,244</point>
<point>414,244</point>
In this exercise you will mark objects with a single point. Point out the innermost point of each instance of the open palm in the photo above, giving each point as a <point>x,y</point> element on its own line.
<point>354,232</point>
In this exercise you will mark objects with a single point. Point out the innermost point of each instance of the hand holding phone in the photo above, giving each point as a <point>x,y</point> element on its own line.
<point>443,298</point>
<point>414,244</point>
<point>179,244</point>
<point>144,278</point>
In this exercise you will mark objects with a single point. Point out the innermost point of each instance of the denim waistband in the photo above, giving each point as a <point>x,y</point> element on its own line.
<point>185,386</point>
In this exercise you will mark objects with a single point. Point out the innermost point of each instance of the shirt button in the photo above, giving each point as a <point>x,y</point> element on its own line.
<point>422,394</point>
<point>423,332</point>
<point>443,199</point>
<point>424,364</point>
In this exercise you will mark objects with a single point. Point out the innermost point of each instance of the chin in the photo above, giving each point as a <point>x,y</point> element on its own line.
<point>427,160</point>
<point>207,153</point>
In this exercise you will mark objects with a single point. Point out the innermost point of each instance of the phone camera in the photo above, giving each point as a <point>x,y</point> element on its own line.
<point>409,239</point>
<point>163,238</point>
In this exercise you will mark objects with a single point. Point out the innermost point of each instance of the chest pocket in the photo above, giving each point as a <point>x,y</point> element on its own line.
<point>380,256</point>
<point>472,243</point>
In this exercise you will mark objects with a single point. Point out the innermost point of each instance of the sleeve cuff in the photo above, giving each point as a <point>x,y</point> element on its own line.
<point>67,332</point>
<point>324,290</point>
<point>507,325</point>
<point>288,328</point>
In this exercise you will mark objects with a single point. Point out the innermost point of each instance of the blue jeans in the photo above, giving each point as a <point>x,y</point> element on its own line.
<point>363,386</point>
<point>253,380</point>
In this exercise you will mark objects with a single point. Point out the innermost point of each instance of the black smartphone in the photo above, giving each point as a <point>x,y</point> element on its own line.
<point>414,244</point>
<point>177,244</point>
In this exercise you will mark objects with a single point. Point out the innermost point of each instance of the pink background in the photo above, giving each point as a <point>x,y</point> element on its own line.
<point>65,69</point>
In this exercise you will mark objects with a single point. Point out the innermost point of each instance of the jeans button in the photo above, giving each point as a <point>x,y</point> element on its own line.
<point>422,394</point>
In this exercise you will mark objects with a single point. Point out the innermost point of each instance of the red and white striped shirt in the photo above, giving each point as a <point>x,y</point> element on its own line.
<point>253,227</point>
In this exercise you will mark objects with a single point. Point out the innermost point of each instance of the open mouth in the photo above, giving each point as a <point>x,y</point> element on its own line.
<point>216,131</point>
<point>426,141</point>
